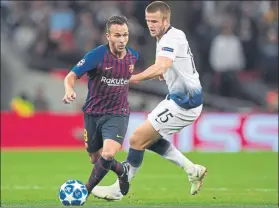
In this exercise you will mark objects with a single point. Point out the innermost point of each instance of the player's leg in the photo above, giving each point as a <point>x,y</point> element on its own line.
<point>113,128</point>
<point>171,120</point>
<point>103,164</point>
<point>172,154</point>
<point>180,119</point>
<point>94,143</point>
<point>162,121</point>
<point>168,151</point>
<point>116,166</point>
<point>143,136</point>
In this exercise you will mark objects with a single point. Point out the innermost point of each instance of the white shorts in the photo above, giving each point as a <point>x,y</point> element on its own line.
<point>168,118</point>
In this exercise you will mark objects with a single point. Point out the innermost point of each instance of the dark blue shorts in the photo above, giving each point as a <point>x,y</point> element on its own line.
<point>99,128</point>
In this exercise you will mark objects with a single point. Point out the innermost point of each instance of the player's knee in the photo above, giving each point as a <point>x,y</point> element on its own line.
<point>108,154</point>
<point>110,148</point>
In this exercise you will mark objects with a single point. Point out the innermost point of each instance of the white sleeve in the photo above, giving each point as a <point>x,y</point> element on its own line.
<point>169,47</point>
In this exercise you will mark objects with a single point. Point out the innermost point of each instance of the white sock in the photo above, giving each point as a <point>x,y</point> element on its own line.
<point>175,156</point>
<point>132,172</point>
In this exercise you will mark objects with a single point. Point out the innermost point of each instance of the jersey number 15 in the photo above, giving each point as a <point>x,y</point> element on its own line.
<point>164,116</point>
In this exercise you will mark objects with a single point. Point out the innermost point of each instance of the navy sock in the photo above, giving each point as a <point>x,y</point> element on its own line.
<point>117,167</point>
<point>101,168</point>
<point>135,157</point>
<point>160,146</point>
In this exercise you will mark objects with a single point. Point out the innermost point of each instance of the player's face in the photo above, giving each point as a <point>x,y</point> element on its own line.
<point>118,37</point>
<point>156,23</point>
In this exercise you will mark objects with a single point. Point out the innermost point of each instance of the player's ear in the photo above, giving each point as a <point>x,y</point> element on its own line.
<point>108,36</point>
<point>166,22</point>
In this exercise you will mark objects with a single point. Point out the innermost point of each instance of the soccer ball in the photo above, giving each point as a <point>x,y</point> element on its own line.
<point>73,192</point>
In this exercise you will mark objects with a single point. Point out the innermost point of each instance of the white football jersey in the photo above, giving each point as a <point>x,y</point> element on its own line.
<point>182,76</point>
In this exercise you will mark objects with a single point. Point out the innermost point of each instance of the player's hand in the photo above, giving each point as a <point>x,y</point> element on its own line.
<point>69,97</point>
<point>133,80</point>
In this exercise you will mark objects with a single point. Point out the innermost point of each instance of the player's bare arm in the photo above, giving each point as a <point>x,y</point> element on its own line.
<point>69,83</point>
<point>156,70</point>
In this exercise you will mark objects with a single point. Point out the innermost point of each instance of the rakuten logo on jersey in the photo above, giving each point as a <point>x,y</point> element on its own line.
<point>114,82</point>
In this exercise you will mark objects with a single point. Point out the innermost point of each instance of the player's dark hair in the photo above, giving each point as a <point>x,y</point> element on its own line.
<point>160,6</point>
<point>116,20</point>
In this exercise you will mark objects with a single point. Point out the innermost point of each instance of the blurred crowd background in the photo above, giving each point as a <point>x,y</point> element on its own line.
<point>235,47</point>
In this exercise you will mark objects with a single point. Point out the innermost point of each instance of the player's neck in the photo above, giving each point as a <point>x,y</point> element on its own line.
<point>116,54</point>
<point>165,31</point>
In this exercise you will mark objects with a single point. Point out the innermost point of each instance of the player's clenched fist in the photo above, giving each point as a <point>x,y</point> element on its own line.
<point>69,97</point>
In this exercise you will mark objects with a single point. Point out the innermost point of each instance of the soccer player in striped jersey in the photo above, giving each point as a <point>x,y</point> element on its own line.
<point>106,110</point>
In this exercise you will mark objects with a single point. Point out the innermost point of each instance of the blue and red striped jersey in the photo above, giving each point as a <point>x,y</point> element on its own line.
<point>108,79</point>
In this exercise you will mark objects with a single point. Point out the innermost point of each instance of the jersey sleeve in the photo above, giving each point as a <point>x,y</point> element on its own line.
<point>89,62</point>
<point>169,47</point>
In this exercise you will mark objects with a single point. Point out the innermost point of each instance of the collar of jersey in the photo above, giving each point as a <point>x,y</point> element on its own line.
<point>114,55</point>
<point>166,32</point>
<point>168,29</point>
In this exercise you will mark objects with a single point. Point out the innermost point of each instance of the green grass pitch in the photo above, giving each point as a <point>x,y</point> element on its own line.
<point>234,179</point>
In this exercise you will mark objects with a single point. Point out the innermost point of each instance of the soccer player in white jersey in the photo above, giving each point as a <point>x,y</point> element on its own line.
<point>182,106</point>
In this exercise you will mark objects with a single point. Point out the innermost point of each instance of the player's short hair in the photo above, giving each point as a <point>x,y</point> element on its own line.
<point>116,20</point>
<point>160,6</point>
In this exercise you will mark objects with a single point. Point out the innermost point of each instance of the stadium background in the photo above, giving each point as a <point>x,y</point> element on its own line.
<point>235,46</point>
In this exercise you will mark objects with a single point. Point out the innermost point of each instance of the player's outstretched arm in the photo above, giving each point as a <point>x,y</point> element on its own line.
<point>69,83</point>
<point>161,66</point>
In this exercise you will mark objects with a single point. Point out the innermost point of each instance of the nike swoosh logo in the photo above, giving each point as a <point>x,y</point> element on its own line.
<point>107,68</point>
<point>119,136</point>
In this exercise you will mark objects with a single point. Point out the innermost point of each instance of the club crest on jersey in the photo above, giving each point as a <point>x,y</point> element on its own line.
<point>131,68</point>
<point>167,49</point>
